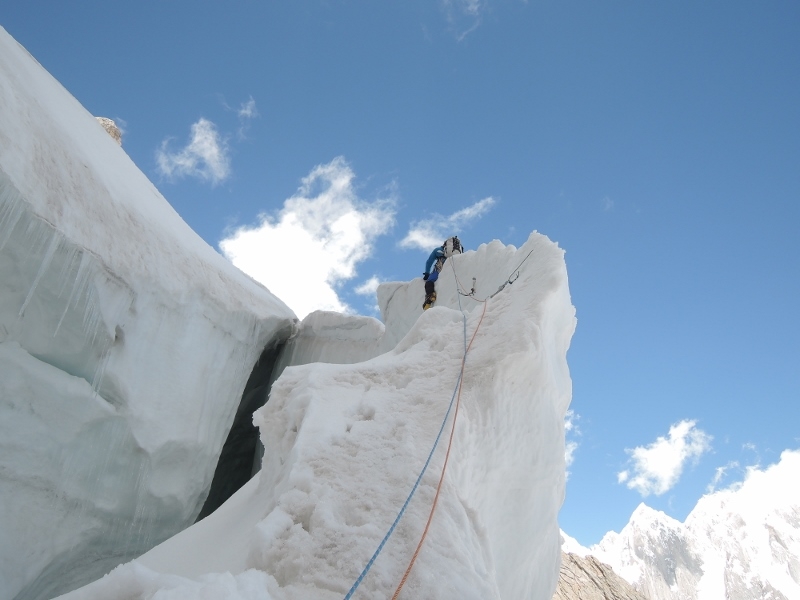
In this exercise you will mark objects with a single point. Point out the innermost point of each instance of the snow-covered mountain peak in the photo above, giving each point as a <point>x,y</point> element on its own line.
<point>742,542</point>
<point>645,517</point>
<point>772,490</point>
<point>572,546</point>
<point>645,523</point>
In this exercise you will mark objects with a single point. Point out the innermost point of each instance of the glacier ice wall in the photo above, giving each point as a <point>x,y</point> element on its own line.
<point>344,444</point>
<point>125,344</point>
<point>331,337</point>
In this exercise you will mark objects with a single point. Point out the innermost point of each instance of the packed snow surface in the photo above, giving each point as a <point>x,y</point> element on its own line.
<point>742,542</point>
<point>125,344</point>
<point>344,444</point>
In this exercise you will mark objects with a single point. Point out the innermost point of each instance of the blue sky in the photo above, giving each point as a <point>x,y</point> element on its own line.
<point>657,143</point>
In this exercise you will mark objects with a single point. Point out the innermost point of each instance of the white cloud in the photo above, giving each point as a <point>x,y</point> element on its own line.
<point>305,251</point>
<point>656,468</point>
<point>247,112</point>
<point>569,454</point>
<point>468,7</point>
<point>569,425</point>
<point>464,16</point>
<point>205,156</point>
<point>571,431</point>
<point>121,124</point>
<point>719,474</point>
<point>369,287</point>
<point>433,231</point>
<point>248,109</point>
<point>750,447</point>
<point>735,468</point>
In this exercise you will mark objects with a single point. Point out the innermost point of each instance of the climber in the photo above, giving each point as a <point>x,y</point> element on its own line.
<point>451,246</point>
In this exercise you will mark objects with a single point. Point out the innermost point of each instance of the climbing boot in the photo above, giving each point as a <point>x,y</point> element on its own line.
<point>429,300</point>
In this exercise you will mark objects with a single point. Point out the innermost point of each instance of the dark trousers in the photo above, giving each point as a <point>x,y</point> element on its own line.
<point>428,288</point>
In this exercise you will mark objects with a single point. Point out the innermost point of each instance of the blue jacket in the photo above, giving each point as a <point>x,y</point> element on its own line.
<point>435,255</point>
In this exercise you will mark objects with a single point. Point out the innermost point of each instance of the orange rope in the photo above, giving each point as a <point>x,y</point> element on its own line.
<point>446,458</point>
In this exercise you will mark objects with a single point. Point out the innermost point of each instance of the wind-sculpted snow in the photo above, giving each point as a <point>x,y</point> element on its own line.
<point>741,543</point>
<point>125,344</point>
<point>344,444</point>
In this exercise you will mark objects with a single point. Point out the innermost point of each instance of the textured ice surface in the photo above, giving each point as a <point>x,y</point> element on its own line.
<point>332,337</point>
<point>125,344</point>
<point>345,443</point>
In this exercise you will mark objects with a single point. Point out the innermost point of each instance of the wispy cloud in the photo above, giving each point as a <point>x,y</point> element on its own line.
<point>205,156</point>
<point>656,468</point>
<point>314,243</point>
<point>121,124</point>
<point>248,109</point>
<point>472,8</point>
<point>720,473</point>
<point>464,16</point>
<point>246,113</point>
<point>752,449</point>
<point>369,287</point>
<point>736,469</point>
<point>431,232</point>
<point>571,431</point>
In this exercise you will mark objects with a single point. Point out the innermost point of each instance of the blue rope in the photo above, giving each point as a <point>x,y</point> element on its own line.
<point>424,468</point>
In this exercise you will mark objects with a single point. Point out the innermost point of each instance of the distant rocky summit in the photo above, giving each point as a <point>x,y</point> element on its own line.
<point>586,578</point>
<point>111,128</point>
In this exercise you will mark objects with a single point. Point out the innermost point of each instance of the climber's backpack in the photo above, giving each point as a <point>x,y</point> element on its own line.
<point>452,246</point>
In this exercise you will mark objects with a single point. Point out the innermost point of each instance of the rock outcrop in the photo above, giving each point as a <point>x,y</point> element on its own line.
<point>586,578</point>
<point>111,128</point>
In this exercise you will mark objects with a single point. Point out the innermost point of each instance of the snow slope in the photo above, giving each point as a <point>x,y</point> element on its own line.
<point>741,543</point>
<point>344,444</point>
<point>125,344</point>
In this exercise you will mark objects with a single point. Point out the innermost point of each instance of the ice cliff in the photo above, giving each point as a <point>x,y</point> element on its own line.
<point>125,344</point>
<point>130,351</point>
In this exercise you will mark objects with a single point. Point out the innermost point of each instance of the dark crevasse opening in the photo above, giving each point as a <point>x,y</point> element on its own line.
<point>236,461</point>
